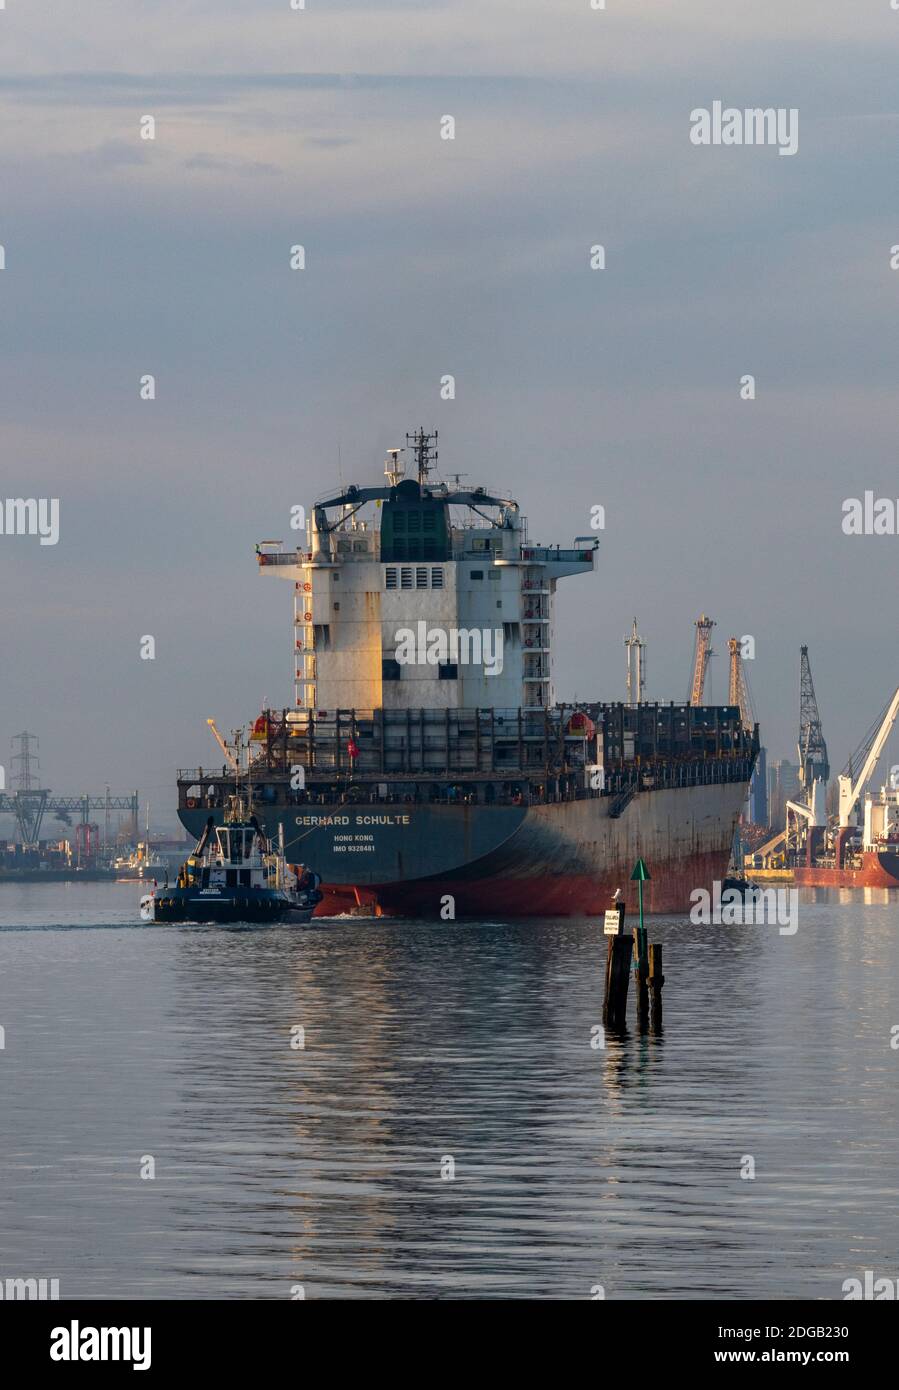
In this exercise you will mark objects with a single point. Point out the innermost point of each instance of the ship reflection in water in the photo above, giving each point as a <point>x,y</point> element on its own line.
<point>279,1165</point>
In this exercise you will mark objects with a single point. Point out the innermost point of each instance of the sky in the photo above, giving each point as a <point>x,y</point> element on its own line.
<point>426,257</point>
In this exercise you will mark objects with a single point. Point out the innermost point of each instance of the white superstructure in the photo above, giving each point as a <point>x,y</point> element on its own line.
<point>419,595</point>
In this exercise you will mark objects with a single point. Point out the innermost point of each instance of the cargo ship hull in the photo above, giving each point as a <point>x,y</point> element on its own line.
<point>552,859</point>
<point>878,869</point>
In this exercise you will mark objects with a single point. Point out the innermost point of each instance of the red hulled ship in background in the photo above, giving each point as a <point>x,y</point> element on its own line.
<point>840,852</point>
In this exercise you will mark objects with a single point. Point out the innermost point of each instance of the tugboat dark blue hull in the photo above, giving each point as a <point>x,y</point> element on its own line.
<point>205,905</point>
<point>234,875</point>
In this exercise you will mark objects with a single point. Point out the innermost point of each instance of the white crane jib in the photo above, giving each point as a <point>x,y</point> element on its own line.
<point>230,757</point>
<point>816,810</point>
<point>849,792</point>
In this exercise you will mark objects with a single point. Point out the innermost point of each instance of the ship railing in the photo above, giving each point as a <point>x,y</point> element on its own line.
<point>515,786</point>
<point>541,554</point>
<point>200,783</point>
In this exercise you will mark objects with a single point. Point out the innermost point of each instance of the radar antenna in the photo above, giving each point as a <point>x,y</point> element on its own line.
<point>425,451</point>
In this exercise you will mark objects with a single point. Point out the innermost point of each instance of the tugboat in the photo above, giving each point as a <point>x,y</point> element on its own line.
<point>235,875</point>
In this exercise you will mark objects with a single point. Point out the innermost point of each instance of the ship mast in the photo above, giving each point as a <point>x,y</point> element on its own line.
<point>636,667</point>
<point>424,449</point>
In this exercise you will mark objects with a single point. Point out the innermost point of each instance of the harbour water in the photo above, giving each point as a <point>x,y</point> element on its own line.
<point>326,1167</point>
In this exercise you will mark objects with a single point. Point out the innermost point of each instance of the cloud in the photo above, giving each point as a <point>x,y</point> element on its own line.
<point>112,154</point>
<point>219,164</point>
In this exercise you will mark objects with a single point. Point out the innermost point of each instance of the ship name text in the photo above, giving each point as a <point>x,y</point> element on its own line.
<point>321,821</point>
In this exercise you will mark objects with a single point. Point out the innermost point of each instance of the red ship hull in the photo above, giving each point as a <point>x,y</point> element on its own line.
<point>878,869</point>
<point>568,860</point>
<point>585,895</point>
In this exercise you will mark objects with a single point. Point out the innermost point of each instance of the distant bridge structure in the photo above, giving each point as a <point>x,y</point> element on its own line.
<point>29,803</point>
<point>29,808</point>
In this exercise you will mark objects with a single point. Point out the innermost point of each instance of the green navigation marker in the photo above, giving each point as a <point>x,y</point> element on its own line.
<point>641,874</point>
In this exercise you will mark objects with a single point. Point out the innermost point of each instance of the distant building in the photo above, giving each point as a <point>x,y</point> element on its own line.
<point>783,786</point>
<point>788,778</point>
<point>758,791</point>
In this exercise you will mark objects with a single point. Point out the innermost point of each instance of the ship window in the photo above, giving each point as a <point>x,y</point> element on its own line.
<point>390,669</point>
<point>391,578</point>
<point>494,575</point>
<point>359,547</point>
<point>421,579</point>
<point>448,671</point>
<point>437,579</point>
<point>230,878</point>
<point>477,574</point>
<point>336,607</point>
<point>405,579</point>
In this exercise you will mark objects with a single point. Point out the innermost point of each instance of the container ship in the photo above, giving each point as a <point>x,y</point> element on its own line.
<point>425,757</point>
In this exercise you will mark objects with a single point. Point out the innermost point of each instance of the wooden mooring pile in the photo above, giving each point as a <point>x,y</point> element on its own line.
<point>625,950</point>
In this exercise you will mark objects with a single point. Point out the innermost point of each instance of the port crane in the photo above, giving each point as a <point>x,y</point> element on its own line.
<point>814,765</point>
<point>869,753</point>
<point>813,762</point>
<point>814,772</point>
<point>738,692</point>
<point>702,651</point>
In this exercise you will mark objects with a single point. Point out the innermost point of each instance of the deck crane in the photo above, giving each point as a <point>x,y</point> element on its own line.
<point>869,752</point>
<point>230,756</point>
<point>702,650</point>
